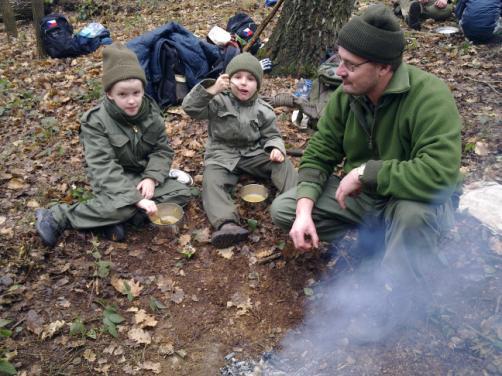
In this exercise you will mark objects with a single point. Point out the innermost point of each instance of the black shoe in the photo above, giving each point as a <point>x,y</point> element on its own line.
<point>115,233</point>
<point>47,227</point>
<point>139,219</point>
<point>229,234</point>
<point>413,18</point>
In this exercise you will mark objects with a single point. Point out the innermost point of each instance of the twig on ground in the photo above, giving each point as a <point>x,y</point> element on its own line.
<point>269,258</point>
<point>487,83</point>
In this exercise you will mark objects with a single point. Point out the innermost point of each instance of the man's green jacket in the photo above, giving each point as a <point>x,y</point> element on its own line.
<point>410,141</point>
<point>121,151</point>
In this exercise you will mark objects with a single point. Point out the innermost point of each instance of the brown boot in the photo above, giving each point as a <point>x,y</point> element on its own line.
<point>228,235</point>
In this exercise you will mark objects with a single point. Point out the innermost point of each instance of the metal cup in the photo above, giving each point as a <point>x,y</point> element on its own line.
<point>168,218</point>
<point>254,195</point>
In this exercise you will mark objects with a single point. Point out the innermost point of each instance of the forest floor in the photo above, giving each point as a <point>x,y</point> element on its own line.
<point>63,311</point>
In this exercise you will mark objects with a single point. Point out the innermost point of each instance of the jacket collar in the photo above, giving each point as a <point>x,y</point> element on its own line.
<point>400,82</point>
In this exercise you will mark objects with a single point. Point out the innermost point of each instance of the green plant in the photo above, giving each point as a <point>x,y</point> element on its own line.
<point>5,366</point>
<point>110,320</point>
<point>252,224</point>
<point>155,305</point>
<point>87,9</point>
<point>94,90</point>
<point>48,129</point>
<point>101,268</point>
<point>80,194</point>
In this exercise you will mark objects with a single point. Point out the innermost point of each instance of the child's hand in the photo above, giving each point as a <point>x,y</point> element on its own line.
<point>221,84</point>
<point>148,206</point>
<point>146,187</point>
<point>441,4</point>
<point>276,156</point>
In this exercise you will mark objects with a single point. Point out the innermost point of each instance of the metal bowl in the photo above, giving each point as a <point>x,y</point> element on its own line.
<point>254,193</point>
<point>447,30</point>
<point>167,214</point>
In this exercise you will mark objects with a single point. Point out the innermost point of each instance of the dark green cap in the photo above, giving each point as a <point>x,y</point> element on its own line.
<point>120,63</point>
<point>246,62</point>
<point>375,35</point>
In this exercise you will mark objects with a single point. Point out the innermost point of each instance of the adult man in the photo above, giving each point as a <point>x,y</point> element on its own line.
<point>414,11</point>
<point>397,131</point>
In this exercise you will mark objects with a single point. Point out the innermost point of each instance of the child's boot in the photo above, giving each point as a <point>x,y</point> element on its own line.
<point>47,227</point>
<point>229,234</point>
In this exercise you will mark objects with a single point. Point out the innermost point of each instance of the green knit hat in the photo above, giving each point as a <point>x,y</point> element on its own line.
<point>120,63</point>
<point>375,35</point>
<point>246,62</point>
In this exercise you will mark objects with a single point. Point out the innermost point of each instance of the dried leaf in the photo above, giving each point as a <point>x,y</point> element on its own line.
<point>202,236</point>
<point>89,355</point>
<point>165,284</point>
<point>15,184</point>
<point>184,240</point>
<point>2,219</point>
<point>126,287</point>
<point>140,336</point>
<point>51,329</point>
<point>143,319</point>
<point>166,349</point>
<point>151,366</point>
<point>34,322</point>
<point>178,295</point>
<point>481,148</point>
<point>243,303</point>
<point>264,253</point>
<point>226,253</point>
<point>33,204</point>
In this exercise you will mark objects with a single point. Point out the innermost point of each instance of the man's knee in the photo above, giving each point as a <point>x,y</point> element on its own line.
<point>283,210</point>
<point>414,215</point>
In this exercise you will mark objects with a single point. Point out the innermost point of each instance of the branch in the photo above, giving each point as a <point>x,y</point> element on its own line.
<point>488,83</point>
<point>263,25</point>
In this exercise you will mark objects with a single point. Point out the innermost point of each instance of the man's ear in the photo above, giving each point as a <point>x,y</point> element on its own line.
<point>385,69</point>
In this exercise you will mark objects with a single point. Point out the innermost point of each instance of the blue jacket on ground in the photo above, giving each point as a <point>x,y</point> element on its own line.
<point>164,48</point>
<point>478,18</point>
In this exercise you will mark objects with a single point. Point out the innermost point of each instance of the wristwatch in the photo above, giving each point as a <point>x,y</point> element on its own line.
<point>360,170</point>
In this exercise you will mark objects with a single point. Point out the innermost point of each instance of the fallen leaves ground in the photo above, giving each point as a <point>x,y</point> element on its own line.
<point>177,312</point>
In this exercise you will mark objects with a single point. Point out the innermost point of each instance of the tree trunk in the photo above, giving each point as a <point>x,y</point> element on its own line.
<point>38,14</point>
<point>8,18</point>
<point>306,34</point>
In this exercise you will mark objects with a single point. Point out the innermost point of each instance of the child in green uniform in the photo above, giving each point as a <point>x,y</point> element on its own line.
<point>242,139</point>
<point>127,155</point>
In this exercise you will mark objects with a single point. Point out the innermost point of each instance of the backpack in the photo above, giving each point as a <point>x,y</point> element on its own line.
<point>243,27</point>
<point>323,86</point>
<point>57,37</point>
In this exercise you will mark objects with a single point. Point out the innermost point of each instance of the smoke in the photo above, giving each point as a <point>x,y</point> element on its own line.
<point>363,319</point>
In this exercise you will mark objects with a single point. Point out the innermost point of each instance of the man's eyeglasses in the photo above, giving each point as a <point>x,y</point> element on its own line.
<point>351,67</point>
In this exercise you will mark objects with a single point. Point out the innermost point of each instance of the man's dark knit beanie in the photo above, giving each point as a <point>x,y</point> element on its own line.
<point>246,62</point>
<point>120,63</point>
<point>375,35</point>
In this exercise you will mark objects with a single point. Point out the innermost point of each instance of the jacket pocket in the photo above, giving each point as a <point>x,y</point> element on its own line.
<point>119,143</point>
<point>149,140</point>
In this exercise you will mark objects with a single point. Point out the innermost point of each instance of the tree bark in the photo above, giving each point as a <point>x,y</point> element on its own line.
<point>38,14</point>
<point>306,34</point>
<point>8,18</point>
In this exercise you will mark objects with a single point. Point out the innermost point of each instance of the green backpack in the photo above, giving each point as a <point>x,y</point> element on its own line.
<point>322,87</point>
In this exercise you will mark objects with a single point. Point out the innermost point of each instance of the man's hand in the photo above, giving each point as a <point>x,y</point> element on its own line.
<point>146,187</point>
<point>148,206</point>
<point>441,4</point>
<point>276,156</point>
<point>303,232</point>
<point>221,84</point>
<point>349,186</point>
